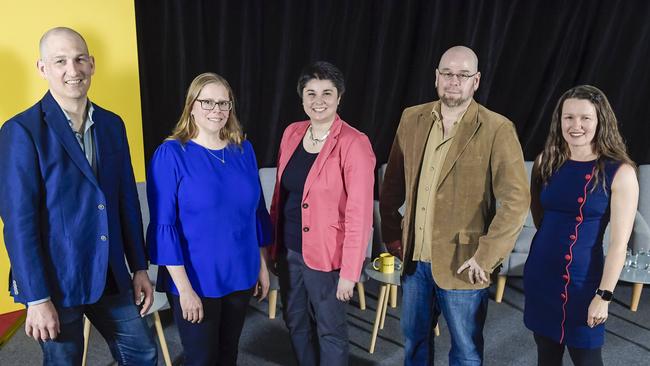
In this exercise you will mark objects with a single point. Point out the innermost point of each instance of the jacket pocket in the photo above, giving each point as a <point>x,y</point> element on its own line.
<point>335,234</point>
<point>465,248</point>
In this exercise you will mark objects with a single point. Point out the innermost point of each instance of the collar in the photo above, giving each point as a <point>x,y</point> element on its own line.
<point>468,115</point>
<point>89,117</point>
<point>436,114</point>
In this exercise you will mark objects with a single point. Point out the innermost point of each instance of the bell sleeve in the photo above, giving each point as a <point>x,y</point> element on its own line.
<point>163,240</point>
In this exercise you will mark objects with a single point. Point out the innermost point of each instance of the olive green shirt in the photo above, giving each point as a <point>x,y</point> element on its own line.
<point>434,156</point>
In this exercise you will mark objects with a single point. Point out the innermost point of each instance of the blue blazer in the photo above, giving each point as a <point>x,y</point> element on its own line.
<point>62,224</point>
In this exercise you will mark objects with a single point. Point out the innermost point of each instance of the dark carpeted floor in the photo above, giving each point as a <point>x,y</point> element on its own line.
<point>507,341</point>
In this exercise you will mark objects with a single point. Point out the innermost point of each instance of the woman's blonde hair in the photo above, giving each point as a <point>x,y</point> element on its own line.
<point>186,128</point>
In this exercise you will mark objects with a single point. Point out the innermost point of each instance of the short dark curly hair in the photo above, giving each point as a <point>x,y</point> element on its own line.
<point>321,70</point>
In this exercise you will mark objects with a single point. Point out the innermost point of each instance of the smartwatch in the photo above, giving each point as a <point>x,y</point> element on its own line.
<point>605,295</point>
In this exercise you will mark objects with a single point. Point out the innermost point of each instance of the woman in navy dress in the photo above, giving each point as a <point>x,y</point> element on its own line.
<point>582,181</point>
<point>208,223</point>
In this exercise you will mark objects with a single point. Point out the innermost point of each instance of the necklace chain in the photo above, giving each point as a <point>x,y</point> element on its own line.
<point>222,159</point>
<point>314,140</point>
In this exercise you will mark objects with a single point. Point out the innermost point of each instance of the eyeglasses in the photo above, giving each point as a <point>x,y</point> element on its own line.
<point>209,104</point>
<point>449,76</point>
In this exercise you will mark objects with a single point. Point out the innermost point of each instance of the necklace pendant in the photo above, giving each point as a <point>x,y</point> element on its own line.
<point>222,159</point>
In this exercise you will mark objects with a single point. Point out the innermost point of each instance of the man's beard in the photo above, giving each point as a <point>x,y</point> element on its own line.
<point>452,102</point>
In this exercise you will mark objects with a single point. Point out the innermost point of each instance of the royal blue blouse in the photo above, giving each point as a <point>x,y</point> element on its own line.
<point>206,215</point>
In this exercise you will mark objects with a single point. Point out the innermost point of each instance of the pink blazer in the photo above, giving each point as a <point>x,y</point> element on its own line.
<point>337,201</point>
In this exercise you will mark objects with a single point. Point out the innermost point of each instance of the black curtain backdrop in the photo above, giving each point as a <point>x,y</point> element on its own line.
<point>530,52</point>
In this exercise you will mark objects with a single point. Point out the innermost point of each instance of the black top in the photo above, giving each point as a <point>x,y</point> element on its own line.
<point>293,184</point>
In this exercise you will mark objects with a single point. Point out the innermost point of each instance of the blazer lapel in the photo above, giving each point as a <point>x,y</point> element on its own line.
<point>102,144</point>
<point>57,121</point>
<point>292,143</point>
<point>423,128</point>
<point>466,130</point>
<point>323,155</point>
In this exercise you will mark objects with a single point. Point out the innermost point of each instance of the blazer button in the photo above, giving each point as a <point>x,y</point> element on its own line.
<point>567,257</point>
<point>580,199</point>
<point>566,277</point>
<point>103,238</point>
<point>588,176</point>
<point>572,237</point>
<point>563,296</point>
<point>305,205</point>
<point>578,218</point>
<point>305,229</point>
<point>101,207</point>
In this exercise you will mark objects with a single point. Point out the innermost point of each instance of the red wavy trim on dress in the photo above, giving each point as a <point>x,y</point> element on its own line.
<point>566,268</point>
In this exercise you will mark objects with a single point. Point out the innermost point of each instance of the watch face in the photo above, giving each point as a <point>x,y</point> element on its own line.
<point>605,295</point>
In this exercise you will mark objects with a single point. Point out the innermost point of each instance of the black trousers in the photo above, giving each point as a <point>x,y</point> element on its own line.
<point>215,340</point>
<point>315,317</point>
<point>550,353</point>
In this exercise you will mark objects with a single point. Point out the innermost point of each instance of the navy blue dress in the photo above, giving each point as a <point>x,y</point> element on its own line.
<point>565,263</point>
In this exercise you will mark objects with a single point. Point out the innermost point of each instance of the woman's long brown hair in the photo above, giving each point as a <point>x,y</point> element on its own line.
<point>607,144</point>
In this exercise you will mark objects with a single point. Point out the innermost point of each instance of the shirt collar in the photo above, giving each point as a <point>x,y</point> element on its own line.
<point>437,114</point>
<point>89,117</point>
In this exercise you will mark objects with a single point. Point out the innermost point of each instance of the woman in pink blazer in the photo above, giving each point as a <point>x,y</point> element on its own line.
<point>322,212</point>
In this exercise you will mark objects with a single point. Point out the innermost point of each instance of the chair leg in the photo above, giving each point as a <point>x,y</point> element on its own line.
<point>393,296</point>
<point>86,338</point>
<point>375,328</point>
<point>362,295</point>
<point>385,307</point>
<point>273,300</point>
<point>436,330</point>
<point>161,339</point>
<point>636,296</point>
<point>501,286</point>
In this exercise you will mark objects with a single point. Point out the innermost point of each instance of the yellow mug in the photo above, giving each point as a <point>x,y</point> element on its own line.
<point>386,263</point>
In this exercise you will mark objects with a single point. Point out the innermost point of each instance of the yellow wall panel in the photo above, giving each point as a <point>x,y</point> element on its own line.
<point>109,30</point>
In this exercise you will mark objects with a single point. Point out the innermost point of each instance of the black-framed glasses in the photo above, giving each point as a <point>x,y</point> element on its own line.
<point>462,77</point>
<point>209,104</point>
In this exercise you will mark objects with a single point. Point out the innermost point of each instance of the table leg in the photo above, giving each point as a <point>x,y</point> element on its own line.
<point>362,295</point>
<point>375,328</point>
<point>86,338</point>
<point>161,338</point>
<point>273,300</point>
<point>501,286</point>
<point>393,296</point>
<point>636,296</point>
<point>385,307</point>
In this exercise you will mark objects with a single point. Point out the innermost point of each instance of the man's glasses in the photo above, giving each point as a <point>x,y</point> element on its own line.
<point>449,76</point>
<point>209,104</point>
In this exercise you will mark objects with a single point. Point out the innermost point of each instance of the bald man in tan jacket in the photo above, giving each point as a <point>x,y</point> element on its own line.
<point>452,160</point>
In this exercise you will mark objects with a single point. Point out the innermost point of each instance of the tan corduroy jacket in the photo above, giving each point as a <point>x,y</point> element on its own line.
<point>484,165</point>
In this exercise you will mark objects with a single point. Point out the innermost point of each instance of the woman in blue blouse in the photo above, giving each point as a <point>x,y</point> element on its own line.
<point>208,223</point>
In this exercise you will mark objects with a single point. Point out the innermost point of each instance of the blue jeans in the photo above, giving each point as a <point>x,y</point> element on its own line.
<point>464,311</point>
<point>118,320</point>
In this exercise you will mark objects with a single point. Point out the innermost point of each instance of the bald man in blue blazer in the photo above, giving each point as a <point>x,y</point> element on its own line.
<point>71,215</point>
